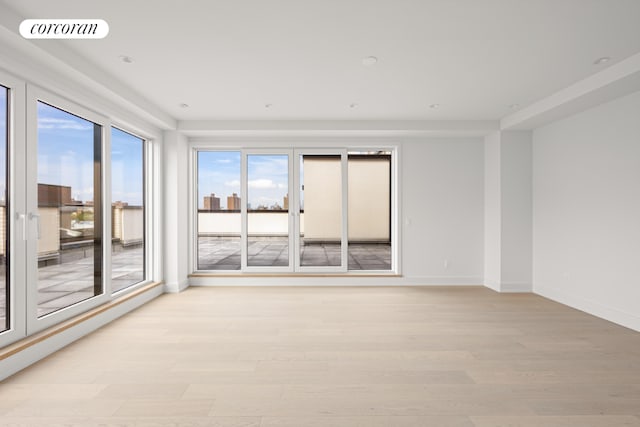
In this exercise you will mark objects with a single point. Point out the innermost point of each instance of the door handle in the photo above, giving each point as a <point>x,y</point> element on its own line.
<point>35,216</point>
<point>21,217</point>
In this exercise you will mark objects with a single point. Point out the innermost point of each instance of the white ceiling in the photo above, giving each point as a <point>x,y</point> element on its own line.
<point>228,58</point>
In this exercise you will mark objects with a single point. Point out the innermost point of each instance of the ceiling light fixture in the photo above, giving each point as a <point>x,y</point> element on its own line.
<point>183,105</point>
<point>602,60</point>
<point>126,59</point>
<point>354,105</point>
<point>433,106</point>
<point>514,106</point>
<point>268,105</point>
<point>369,61</point>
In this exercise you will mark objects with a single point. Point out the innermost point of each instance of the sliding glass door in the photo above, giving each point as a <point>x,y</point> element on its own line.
<point>295,210</point>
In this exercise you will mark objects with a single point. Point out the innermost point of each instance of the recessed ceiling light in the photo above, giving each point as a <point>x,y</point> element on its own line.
<point>434,106</point>
<point>268,105</point>
<point>125,58</point>
<point>602,60</point>
<point>514,106</point>
<point>369,60</point>
<point>353,105</point>
<point>183,105</point>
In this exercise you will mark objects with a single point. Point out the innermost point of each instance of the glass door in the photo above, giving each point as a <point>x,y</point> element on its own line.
<point>65,216</point>
<point>266,217</point>
<point>321,204</point>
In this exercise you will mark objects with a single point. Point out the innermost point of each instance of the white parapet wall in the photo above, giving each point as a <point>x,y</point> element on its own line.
<point>128,224</point>
<point>49,231</point>
<point>132,225</point>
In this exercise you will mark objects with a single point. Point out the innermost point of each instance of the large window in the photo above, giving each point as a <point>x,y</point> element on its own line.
<point>4,204</point>
<point>69,211</point>
<point>75,209</point>
<point>295,210</point>
<point>127,210</point>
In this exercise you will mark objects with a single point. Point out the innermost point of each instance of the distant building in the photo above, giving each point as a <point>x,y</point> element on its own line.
<point>233,202</point>
<point>285,202</point>
<point>211,203</point>
<point>54,195</point>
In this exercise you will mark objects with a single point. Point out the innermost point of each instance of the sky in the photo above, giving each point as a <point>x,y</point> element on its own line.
<point>219,173</point>
<point>127,175</point>
<point>65,156</point>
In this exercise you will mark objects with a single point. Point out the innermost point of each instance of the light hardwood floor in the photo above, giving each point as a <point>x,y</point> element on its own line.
<point>338,357</point>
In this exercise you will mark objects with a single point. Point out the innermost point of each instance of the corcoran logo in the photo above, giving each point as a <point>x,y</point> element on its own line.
<point>64,29</point>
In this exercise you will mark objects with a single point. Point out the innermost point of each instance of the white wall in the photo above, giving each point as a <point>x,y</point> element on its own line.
<point>443,210</point>
<point>586,211</point>
<point>507,208</point>
<point>176,223</point>
<point>492,212</point>
<point>516,216</point>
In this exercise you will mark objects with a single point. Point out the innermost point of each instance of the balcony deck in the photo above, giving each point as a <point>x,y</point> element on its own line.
<point>223,253</point>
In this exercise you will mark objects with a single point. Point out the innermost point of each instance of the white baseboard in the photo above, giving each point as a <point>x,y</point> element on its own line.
<point>353,280</point>
<point>629,320</point>
<point>444,280</point>
<point>510,287</point>
<point>176,287</point>
<point>516,287</point>
<point>493,286</point>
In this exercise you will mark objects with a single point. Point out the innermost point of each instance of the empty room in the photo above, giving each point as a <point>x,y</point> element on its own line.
<point>295,213</point>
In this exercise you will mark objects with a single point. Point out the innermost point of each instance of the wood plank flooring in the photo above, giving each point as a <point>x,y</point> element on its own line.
<point>338,357</point>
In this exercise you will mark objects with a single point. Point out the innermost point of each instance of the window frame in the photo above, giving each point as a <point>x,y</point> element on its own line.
<point>253,145</point>
<point>147,189</point>
<point>16,245</point>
